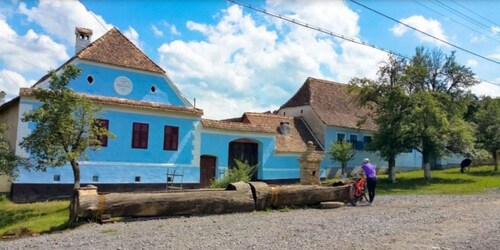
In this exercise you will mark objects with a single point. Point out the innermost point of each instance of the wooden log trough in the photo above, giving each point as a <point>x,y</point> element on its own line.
<point>238,197</point>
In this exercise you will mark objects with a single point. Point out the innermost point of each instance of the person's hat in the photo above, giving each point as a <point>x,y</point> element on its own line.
<point>365,160</point>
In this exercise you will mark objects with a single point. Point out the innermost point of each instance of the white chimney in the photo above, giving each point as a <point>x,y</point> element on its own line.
<point>284,128</point>
<point>83,36</point>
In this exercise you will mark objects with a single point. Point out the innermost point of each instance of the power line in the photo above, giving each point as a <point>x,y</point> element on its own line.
<point>312,27</point>
<point>473,12</point>
<point>464,16</point>
<point>441,14</point>
<point>92,13</point>
<point>425,33</point>
<point>306,25</point>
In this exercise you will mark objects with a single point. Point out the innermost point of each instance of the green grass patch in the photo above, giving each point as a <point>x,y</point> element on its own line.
<point>39,217</point>
<point>448,181</point>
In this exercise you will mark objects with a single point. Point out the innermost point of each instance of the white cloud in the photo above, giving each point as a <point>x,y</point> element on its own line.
<point>60,18</point>
<point>471,63</point>
<point>133,36</point>
<point>495,29</point>
<point>246,66</point>
<point>157,32</point>
<point>174,30</point>
<point>11,81</point>
<point>430,26</point>
<point>487,89</point>
<point>30,52</point>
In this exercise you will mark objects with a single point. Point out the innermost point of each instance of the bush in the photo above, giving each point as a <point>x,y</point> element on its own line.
<point>242,172</point>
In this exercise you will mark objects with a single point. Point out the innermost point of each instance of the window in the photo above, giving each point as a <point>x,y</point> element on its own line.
<point>170,138</point>
<point>95,178</point>
<point>90,79</point>
<point>353,139</point>
<point>153,88</point>
<point>137,179</point>
<point>57,177</point>
<point>366,140</point>
<point>101,123</point>
<point>140,135</point>
<point>340,137</point>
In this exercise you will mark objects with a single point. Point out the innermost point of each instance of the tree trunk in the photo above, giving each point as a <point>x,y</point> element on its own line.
<point>495,160</point>
<point>239,197</point>
<point>426,164</point>
<point>75,200</point>
<point>344,166</point>
<point>392,169</point>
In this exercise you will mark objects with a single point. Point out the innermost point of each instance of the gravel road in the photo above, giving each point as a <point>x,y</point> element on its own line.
<point>393,222</point>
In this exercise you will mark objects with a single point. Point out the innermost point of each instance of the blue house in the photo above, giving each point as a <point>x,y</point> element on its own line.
<point>155,126</point>
<point>162,141</point>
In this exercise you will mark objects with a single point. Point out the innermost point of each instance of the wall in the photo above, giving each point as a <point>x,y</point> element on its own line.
<point>119,162</point>
<point>10,118</point>
<point>313,121</point>
<point>215,142</point>
<point>103,84</point>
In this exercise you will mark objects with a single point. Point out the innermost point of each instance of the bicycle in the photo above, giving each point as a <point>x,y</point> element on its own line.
<point>357,190</point>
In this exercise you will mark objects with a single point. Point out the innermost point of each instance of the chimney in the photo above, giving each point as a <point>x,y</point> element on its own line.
<point>285,128</point>
<point>83,36</point>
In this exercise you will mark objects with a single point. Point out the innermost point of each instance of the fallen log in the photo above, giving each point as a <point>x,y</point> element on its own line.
<point>237,198</point>
<point>300,195</point>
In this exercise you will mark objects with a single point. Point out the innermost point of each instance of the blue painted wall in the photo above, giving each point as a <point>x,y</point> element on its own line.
<point>104,78</point>
<point>120,163</point>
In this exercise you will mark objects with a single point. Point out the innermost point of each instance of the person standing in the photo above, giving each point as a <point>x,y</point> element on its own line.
<point>371,179</point>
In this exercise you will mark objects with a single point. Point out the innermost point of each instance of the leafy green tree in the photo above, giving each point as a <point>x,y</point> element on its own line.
<point>437,86</point>
<point>64,127</point>
<point>9,161</point>
<point>341,151</point>
<point>488,127</point>
<point>393,136</point>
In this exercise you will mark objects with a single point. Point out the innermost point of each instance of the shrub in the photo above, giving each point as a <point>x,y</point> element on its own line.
<point>242,172</point>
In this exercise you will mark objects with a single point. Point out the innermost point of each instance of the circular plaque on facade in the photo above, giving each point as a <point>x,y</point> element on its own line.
<point>123,85</point>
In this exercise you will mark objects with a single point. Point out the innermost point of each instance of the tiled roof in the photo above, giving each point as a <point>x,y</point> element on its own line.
<point>295,142</point>
<point>115,49</point>
<point>331,102</point>
<point>113,101</point>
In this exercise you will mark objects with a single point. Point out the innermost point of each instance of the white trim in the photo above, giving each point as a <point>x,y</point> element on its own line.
<point>135,164</point>
<point>237,133</point>
<point>140,111</point>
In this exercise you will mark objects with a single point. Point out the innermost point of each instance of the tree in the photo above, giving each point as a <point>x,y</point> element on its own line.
<point>393,136</point>
<point>64,127</point>
<point>437,85</point>
<point>342,152</point>
<point>488,127</point>
<point>419,103</point>
<point>9,161</point>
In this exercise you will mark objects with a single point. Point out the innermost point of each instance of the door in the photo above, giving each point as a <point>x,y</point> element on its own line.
<point>244,152</point>
<point>207,170</point>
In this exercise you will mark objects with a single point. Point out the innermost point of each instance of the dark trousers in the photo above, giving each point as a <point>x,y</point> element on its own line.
<point>372,184</point>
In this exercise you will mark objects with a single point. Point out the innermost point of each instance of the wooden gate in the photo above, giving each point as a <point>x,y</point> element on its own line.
<point>207,170</point>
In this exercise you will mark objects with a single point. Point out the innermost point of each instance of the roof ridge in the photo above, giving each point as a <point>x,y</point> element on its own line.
<point>147,64</point>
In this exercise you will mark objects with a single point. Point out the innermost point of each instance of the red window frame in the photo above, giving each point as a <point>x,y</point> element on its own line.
<point>140,133</point>
<point>102,123</point>
<point>170,138</point>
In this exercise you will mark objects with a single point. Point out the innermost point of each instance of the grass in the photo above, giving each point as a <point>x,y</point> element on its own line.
<point>44,217</point>
<point>449,181</point>
<point>39,217</point>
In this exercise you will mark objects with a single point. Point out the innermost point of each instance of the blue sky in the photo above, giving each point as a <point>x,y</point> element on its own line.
<point>233,59</point>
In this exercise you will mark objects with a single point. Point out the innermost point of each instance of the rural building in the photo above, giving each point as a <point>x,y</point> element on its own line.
<point>162,140</point>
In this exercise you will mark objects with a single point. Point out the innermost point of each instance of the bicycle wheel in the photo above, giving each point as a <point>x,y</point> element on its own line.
<point>353,190</point>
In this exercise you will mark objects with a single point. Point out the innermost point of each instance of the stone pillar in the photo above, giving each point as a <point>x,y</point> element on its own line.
<point>309,166</point>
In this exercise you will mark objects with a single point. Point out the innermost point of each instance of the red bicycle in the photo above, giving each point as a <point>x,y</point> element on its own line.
<point>358,190</point>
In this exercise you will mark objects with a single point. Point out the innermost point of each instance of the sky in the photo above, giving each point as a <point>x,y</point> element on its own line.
<point>233,59</point>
